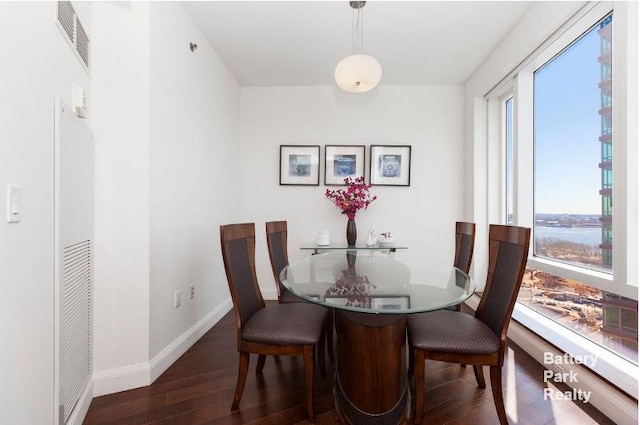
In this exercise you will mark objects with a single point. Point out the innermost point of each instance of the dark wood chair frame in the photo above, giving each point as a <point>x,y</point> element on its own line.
<point>278,254</point>
<point>246,231</point>
<point>465,243</point>
<point>279,258</point>
<point>464,252</point>
<point>498,235</point>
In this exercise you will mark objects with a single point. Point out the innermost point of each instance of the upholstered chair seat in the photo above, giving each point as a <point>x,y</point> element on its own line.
<point>286,324</point>
<point>471,336</point>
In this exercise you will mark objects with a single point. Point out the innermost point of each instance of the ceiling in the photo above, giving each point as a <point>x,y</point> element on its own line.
<point>299,43</point>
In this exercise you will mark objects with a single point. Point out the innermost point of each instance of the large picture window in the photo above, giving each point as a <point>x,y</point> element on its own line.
<point>573,187</point>
<point>572,180</point>
<point>564,144</point>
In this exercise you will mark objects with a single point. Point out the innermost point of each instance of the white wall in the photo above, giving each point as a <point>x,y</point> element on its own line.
<point>121,132</point>
<point>195,130</point>
<point>429,118</point>
<point>37,65</point>
<point>164,116</point>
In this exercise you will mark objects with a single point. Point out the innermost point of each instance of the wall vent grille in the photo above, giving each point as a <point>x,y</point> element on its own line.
<point>76,326</point>
<point>66,17</point>
<point>72,27</point>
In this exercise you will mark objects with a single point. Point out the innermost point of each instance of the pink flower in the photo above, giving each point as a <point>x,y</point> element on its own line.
<point>354,198</point>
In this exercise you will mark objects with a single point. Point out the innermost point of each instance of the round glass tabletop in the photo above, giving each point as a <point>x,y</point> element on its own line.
<point>374,282</point>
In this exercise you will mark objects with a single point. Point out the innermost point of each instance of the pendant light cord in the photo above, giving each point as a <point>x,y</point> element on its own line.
<point>357,37</point>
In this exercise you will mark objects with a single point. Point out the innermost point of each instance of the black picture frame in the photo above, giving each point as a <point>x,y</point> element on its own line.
<point>390,165</point>
<point>300,165</point>
<point>342,161</point>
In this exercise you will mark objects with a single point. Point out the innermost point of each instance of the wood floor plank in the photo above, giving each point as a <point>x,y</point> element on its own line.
<point>198,388</point>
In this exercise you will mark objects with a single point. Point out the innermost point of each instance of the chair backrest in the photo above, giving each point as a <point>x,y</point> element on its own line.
<point>465,241</point>
<point>508,251</point>
<point>238,243</point>
<point>277,243</point>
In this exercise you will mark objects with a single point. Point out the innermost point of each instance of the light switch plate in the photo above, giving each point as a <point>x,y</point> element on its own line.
<point>14,201</point>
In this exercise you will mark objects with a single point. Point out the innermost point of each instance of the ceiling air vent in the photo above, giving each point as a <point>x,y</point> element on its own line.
<point>75,34</point>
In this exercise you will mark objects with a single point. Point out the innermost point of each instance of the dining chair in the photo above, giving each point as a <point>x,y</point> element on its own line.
<point>277,245</point>
<point>277,329</point>
<point>465,241</point>
<point>478,340</point>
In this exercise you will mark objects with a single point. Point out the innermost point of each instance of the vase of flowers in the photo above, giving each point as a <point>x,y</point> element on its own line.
<point>353,198</point>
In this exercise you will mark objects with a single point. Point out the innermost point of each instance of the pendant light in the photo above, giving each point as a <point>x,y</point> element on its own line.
<point>358,73</point>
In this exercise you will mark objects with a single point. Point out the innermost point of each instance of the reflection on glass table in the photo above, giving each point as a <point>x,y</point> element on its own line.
<point>371,282</point>
<point>382,247</point>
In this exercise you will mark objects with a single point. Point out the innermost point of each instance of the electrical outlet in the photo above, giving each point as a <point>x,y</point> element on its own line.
<point>192,291</point>
<point>177,299</point>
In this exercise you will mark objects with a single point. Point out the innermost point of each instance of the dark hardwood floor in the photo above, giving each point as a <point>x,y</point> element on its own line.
<point>198,389</point>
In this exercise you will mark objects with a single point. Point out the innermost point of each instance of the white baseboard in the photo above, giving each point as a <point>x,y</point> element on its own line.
<point>82,406</point>
<point>606,398</point>
<point>120,379</point>
<point>165,358</point>
<point>143,374</point>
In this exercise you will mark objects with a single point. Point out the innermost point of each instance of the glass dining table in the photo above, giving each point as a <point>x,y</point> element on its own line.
<point>372,292</point>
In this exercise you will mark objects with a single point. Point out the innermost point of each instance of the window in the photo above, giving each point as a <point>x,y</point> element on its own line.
<point>602,317</point>
<point>573,186</point>
<point>565,151</point>
<point>568,184</point>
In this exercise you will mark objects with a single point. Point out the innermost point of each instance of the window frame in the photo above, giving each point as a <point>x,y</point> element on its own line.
<point>617,370</point>
<point>622,280</point>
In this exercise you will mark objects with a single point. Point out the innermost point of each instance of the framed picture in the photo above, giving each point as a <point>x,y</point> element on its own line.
<point>390,303</point>
<point>390,165</point>
<point>300,165</point>
<point>341,162</point>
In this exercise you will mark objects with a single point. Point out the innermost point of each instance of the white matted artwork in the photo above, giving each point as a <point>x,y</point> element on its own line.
<point>342,161</point>
<point>390,165</point>
<point>299,165</point>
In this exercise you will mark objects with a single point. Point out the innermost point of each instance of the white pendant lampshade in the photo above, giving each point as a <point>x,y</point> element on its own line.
<point>358,73</point>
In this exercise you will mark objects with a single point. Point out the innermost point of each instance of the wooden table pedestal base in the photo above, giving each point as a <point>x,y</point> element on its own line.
<point>371,375</point>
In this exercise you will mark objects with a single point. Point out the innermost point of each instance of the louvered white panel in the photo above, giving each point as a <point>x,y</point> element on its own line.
<point>82,44</point>
<point>76,322</point>
<point>67,18</point>
<point>70,25</point>
<point>73,234</point>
